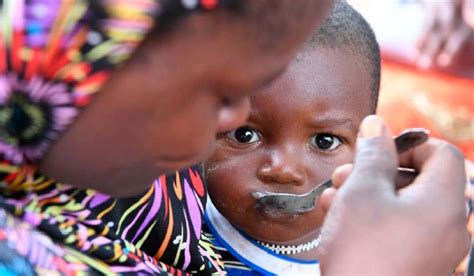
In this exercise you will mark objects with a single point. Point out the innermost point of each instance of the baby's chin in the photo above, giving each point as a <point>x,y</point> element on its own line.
<point>281,230</point>
<point>277,216</point>
<point>275,227</point>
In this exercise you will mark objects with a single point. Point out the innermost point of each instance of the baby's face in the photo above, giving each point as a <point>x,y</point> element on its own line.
<point>299,130</point>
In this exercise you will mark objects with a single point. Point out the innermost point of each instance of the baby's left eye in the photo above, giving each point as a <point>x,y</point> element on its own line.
<point>245,135</point>
<point>326,142</point>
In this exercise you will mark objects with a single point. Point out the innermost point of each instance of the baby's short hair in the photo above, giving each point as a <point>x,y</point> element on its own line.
<point>345,27</point>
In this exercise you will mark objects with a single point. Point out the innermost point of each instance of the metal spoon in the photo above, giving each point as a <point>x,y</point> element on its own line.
<point>277,203</point>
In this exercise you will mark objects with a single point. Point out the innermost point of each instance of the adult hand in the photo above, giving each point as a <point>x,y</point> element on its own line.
<point>447,41</point>
<point>468,12</point>
<point>371,228</point>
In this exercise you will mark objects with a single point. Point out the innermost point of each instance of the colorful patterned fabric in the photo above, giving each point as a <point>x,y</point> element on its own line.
<point>55,55</point>
<point>90,229</point>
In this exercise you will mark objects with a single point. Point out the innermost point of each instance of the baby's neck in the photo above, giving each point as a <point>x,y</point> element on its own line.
<point>311,240</point>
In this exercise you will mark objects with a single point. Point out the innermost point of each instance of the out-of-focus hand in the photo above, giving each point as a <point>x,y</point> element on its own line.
<point>447,40</point>
<point>468,12</point>
<point>371,228</point>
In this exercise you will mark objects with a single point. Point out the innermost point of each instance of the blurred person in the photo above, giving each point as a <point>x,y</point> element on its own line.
<point>60,172</point>
<point>157,111</point>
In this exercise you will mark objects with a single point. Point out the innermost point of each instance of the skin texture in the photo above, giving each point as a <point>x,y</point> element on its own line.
<point>468,12</point>
<point>118,155</point>
<point>447,41</point>
<point>187,85</point>
<point>327,91</point>
<point>372,229</point>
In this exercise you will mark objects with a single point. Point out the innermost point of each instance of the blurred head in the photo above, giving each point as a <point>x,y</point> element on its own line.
<point>188,80</point>
<point>300,129</point>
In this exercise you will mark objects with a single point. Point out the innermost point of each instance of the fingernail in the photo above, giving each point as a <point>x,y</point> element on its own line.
<point>444,60</point>
<point>343,169</point>
<point>372,126</point>
<point>468,13</point>
<point>413,55</point>
<point>424,62</point>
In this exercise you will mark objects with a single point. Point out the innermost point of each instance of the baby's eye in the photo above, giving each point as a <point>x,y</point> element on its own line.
<point>244,135</point>
<point>326,142</point>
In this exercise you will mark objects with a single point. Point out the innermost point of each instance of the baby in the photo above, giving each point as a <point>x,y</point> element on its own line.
<point>300,129</point>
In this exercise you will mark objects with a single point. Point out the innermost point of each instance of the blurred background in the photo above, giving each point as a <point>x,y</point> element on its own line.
<point>427,65</point>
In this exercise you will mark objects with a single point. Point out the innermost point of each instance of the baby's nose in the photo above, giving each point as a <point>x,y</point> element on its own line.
<point>282,170</point>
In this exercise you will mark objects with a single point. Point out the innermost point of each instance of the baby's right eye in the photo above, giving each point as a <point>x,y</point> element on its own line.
<point>245,135</point>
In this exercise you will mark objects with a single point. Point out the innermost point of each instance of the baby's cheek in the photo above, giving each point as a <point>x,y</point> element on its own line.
<point>347,154</point>
<point>226,188</point>
<point>317,216</point>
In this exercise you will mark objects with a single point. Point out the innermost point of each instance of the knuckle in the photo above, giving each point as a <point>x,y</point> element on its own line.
<point>454,217</point>
<point>371,160</point>
<point>451,152</point>
<point>456,236</point>
<point>366,204</point>
<point>460,242</point>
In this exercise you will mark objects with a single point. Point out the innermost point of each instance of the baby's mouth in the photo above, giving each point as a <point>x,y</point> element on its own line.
<point>288,203</point>
<point>268,208</point>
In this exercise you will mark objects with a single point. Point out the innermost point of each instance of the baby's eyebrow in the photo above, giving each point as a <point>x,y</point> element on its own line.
<point>348,123</point>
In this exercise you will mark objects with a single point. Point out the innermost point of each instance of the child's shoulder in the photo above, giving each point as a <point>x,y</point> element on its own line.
<point>232,265</point>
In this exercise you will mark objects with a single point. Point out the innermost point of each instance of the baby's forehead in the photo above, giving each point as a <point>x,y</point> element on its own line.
<point>322,79</point>
<point>333,67</point>
<point>346,29</point>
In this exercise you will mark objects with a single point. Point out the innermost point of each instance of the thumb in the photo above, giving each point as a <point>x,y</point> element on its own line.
<point>376,160</point>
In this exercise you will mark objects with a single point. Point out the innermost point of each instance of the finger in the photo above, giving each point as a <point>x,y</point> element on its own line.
<point>448,17</point>
<point>326,199</point>
<point>449,25</point>
<point>431,50</point>
<point>429,25</point>
<point>340,175</point>
<point>375,162</point>
<point>414,158</point>
<point>468,12</point>
<point>429,35</point>
<point>453,46</point>
<point>440,166</point>
<point>404,178</point>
